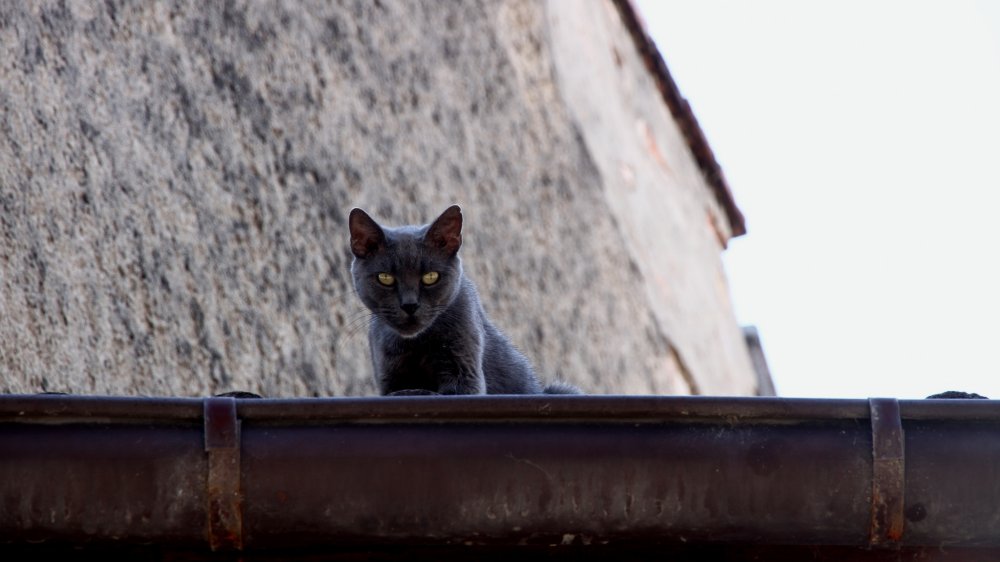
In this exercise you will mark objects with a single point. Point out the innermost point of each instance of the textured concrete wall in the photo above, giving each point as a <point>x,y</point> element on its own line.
<point>175,178</point>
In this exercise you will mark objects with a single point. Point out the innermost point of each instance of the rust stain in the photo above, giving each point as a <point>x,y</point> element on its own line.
<point>225,501</point>
<point>888,486</point>
<point>713,225</point>
<point>649,141</point>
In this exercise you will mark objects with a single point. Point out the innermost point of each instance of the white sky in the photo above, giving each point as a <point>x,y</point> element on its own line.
<point>862,142</point>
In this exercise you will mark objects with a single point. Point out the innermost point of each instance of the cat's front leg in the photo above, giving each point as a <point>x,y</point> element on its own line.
<point>461,372</point>
<point>460,369</point>
<point>463,383</point>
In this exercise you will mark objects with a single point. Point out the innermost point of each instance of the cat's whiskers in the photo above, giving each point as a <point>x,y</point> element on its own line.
<point>357,323</point>
<point>445,314</point>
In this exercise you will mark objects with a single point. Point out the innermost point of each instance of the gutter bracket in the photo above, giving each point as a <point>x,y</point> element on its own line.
<point>888,472</point>
<point>224,498</point>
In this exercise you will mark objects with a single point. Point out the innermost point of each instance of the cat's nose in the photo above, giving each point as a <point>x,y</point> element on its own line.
<point>410,307</point>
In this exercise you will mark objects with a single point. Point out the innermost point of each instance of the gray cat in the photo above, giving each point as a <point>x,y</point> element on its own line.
<point>429,333</point>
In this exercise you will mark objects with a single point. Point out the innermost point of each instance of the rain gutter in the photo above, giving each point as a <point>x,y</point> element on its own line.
<point>876,477</point>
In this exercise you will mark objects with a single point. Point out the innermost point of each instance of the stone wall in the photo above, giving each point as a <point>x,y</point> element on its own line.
<point>175,179</point>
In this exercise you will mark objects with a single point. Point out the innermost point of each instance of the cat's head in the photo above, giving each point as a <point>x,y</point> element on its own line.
<point>407,275</point>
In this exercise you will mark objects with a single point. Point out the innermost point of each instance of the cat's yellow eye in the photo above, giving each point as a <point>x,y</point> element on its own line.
<point>430,278</point>
<point>386,279</point>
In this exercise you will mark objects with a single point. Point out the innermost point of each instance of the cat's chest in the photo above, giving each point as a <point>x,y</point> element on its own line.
<point>422,351</point>
<point>421,360</point>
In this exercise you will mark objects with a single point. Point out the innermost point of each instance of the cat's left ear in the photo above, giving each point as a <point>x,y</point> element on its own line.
<point>445,232</point>
<point>366,235</point>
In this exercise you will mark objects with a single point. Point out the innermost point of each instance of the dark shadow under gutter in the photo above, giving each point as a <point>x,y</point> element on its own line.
<point>672,473</point>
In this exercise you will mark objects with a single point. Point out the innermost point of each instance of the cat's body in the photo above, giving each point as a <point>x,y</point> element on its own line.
<point>429,331</point>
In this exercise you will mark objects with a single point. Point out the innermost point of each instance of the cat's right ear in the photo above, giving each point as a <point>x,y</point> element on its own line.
<point>366,235</point>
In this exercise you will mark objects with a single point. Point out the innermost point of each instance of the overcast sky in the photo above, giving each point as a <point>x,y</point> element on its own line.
<point>862,142</point>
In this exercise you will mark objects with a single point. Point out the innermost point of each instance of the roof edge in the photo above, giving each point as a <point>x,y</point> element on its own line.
<point>681,110</point>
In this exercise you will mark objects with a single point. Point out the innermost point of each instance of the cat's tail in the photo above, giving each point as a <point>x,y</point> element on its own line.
<point>561,388</point>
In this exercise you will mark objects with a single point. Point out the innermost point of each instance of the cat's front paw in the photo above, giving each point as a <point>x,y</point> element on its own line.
<point>413,392</point>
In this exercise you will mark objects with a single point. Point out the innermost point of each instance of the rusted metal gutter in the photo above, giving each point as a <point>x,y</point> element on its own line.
<point>669,473</point>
